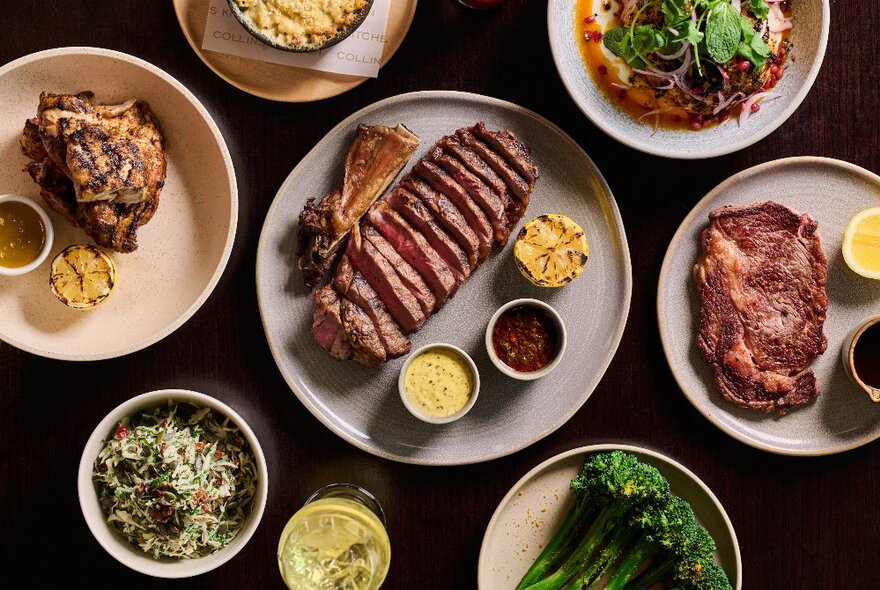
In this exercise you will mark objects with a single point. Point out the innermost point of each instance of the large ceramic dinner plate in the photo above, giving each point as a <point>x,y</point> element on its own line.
<point>363,405</point>
<point>182,251</point>
<point>809,38</point>
<point>535,506</point>
<point>842,417</point>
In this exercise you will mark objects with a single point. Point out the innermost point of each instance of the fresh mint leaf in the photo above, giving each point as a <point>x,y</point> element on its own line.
<point>690,32</point>
<point>759,8</point>
<point>674,13</point>
<point>745,50</point>
<point>612,38</point>
<point>759,46</point>
<point>723,32</point>
<point>647,39</point>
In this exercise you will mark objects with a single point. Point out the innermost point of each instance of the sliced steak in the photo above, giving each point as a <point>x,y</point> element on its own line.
<point>415,249</point>
<point>382,277</point>
<point>327,327</point>
<point>417,214</point>
<point>356,289</point>
<point>517,184</point>
<point>366,347</point>
<point>479,191</point>
<point>475,164</point>
<point>448,215</point>
<point>408,275</point>
<point>761,279</point>
<point>476,219</point>
<point>512,149</point>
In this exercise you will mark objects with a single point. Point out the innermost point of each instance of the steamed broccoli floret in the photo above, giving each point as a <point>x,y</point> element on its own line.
<point>625,522</point>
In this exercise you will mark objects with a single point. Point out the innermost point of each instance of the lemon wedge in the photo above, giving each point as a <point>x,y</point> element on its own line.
<point>551,250</point>
<point>82,276</point>
<point>861,243</point>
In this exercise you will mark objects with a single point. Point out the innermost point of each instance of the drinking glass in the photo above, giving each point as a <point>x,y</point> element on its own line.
<point>336,540</point>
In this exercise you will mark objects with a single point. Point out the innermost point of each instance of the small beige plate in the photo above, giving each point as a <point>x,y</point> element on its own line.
<point>536,505</point>
<point>842,417</point>
<point>182,251</point>
<point>276,81</point>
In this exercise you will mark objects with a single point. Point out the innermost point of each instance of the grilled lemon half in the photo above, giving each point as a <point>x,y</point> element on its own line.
<point>551,250</point>
<point>82,276</point>
<point>861,243</point>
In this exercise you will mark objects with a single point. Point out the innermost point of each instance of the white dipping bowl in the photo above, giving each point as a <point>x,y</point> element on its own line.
<point>434,419</point>
<point>507,369</point>
<point>113,542</point>
<point>47,243</point>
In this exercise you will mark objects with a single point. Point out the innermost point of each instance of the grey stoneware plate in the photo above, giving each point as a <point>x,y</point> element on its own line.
<point>535,506</point>
<point>181,252</point>
<point>842,417</point>
<point>809,35</point>
<point>362,405</point>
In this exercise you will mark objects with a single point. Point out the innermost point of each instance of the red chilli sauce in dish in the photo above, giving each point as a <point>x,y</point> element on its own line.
<point>526,338</point>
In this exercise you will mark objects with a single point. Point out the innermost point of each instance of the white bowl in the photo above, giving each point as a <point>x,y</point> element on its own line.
<point>809,36</point>
<point>47,244</point>
<point>113,542</point>
<point>433,419</point>
<point>510,371</point>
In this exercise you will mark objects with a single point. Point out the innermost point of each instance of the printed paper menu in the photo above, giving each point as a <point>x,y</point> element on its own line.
<point>358,55</point>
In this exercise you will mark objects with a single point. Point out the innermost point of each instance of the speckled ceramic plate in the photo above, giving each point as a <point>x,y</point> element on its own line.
<point>182,251</point>
<point>363,405</point>
<point>536,505</point>
<point>842,417</point>
<point>809,36</point>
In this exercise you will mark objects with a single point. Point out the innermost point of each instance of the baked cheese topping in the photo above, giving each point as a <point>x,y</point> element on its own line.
<point>302,23</point>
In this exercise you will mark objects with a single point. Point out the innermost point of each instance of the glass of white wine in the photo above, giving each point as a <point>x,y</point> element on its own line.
<point>336,541</point>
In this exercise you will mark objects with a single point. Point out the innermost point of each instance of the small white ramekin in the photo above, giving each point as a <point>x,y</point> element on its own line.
<point>47,243</point>
<point>433,419</point>
<point>510,371</point>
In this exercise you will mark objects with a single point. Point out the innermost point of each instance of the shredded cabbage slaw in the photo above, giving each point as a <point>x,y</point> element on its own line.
<point>176,480</point>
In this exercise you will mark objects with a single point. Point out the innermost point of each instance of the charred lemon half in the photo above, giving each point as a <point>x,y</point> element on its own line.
<point>551,250</point>
<point>82,276</point>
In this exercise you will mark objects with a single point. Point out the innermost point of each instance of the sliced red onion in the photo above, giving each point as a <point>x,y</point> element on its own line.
<point>747,105</point>
<point>621,86</point>
<point>656,113</point>
<point>677,54</point>
<point>729,102</point>
<point>673,31</point>
<point>777,22</point>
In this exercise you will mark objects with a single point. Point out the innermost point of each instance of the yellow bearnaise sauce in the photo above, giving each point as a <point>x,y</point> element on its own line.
<point>22,234</point>
<point>439,382</point>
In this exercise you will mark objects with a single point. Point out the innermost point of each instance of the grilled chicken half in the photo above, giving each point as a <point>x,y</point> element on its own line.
<point>101,166</point>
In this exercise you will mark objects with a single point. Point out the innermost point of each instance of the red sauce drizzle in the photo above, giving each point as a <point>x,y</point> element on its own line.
<point>526,338</point>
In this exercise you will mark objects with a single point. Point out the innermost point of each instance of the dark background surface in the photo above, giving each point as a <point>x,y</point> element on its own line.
<point>802,523</point>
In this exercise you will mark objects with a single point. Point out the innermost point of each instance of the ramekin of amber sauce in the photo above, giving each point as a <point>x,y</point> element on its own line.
<point>26,235</point>
<point>525,339</point>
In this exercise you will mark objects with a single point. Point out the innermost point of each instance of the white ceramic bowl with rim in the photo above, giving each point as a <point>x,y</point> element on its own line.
<point>510,371</point>
<point>49,235</point>
<point>401,386</point>
<point>809,36</point>
<point>113,542</point>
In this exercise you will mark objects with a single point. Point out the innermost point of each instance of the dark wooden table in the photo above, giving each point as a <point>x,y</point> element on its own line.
<point>802,523</point>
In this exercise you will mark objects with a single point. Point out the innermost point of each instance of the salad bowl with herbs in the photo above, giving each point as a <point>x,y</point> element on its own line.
<point>172,483</point>
<point>688,78</point>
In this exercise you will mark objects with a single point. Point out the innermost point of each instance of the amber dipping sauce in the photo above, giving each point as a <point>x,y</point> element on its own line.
<point>866,356</point>
<point>526,338</point>
<point>22,234</point>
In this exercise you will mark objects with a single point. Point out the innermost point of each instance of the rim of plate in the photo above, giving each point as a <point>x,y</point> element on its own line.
<point>279,355</point>
<point>598,448</point>
<point>233,189</point>
<point>664,272</point>
<point>650,148</point>
<point>358,80</point>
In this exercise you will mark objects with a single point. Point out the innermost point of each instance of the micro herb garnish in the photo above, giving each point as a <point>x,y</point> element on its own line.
<point>711,27</point>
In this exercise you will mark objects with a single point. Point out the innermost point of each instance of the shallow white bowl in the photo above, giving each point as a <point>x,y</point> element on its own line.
<point>510,371</point>
<point>114,543</point>
<point>433,419</point>
<point>47,244</point>
<point>809,36</point>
